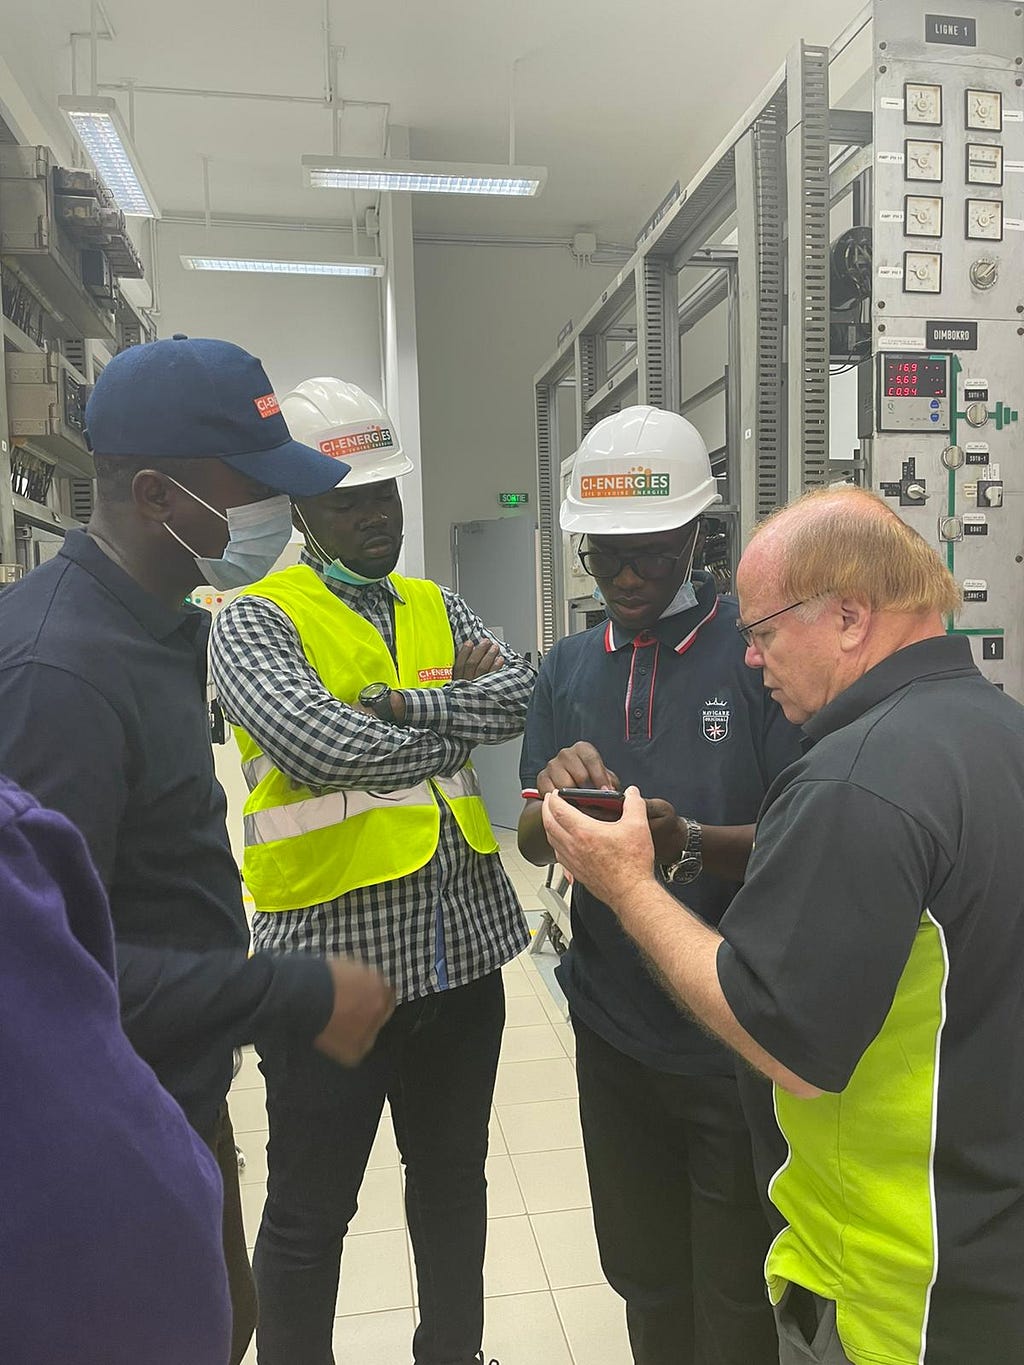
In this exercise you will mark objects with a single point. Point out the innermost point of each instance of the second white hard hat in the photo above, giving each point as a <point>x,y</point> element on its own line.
<point>342,420</point>
<point>639,470</point>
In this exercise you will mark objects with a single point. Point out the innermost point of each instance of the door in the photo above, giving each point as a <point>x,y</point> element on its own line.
<point>495,565</point>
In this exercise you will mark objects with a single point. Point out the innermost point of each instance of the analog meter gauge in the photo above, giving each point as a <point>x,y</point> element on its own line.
<point>923,160</point>
<point>985,220</point>
<point>922,215</point>
<point>984,163</point>
<point>922,272</point>
<point>923,103</point>
<point>984,111</point>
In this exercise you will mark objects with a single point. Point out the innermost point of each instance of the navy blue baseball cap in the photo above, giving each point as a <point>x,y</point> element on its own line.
<point>193,399</point>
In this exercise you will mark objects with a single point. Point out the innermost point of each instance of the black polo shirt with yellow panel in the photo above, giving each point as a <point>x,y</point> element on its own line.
<point>877,950</point>
<point>675,711</point>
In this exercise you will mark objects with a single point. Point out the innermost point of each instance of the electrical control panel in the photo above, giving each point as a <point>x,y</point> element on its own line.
<point>947,309</point>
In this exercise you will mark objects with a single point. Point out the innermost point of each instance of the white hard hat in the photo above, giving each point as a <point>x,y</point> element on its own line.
<point>342,421</point>
<point>639,470</point>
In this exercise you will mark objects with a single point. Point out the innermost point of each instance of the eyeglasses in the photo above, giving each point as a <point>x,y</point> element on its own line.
<point>651,568</point>
<point>748,631</point>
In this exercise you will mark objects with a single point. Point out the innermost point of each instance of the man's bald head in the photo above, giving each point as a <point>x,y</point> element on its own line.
<point>847,542</point>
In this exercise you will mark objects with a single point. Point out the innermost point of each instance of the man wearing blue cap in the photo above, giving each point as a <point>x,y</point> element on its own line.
<point>103,693</point>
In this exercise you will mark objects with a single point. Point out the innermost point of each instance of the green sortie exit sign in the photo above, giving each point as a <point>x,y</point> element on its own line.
<point>513,499</point>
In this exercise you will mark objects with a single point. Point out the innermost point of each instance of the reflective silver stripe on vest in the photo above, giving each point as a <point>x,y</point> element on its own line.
<point>464,783</point>
<point>256,770</point>
<point>334,808</point>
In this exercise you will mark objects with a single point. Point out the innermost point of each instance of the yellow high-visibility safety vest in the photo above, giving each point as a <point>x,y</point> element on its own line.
<point>306,846</point>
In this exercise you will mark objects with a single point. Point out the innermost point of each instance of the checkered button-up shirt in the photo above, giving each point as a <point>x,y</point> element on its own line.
<point>455,919</point>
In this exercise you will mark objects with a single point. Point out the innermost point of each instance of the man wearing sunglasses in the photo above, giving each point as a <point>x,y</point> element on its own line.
<point>658,696</point>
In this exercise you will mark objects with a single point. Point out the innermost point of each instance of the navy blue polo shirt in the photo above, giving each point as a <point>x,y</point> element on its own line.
<point>104,718</point>
<point>676,712</point>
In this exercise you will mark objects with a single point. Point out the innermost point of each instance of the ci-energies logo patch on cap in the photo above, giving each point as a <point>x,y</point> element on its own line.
<point>638,482</point>
<point>267,406</point>
<point>361,441</point>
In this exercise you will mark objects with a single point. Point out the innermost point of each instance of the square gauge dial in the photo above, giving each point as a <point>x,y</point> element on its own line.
<point>923,160</point>
<point>922,272</point>
<point>984,111</point>
<point>922,103</point>
<point>985,220</point>
<point>984,163</point>
<point>922,215</point>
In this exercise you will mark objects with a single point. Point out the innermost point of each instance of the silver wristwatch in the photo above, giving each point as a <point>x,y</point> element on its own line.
<point>690,863</point>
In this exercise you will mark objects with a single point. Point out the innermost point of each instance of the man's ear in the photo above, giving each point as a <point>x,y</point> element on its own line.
<point>154,495</point>
<point>856,619</point>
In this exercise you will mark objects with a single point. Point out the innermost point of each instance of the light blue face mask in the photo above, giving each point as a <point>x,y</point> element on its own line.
<point>346,575</point>
<point>257,535</point>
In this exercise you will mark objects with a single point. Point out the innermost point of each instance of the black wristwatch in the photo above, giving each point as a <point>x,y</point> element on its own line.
<point>377,696</point>
<point>690,863</point>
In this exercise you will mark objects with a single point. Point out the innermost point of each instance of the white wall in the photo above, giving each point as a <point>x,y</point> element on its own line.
<point>487,319</point>
<point>299,326</point>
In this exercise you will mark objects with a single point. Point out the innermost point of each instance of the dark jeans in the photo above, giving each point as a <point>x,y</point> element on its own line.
<point>435,1062</point>
<point>240,1281</point>
<point>680,1227</point>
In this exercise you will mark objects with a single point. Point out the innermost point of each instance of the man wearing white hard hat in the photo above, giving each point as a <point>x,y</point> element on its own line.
<point>358,695</point>
<point>659,697</point>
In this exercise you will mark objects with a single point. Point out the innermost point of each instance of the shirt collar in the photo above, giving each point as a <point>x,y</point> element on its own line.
<point>154,616</point>
<point>674,631</point>
<point>351,593</point>
<point>944,656</point>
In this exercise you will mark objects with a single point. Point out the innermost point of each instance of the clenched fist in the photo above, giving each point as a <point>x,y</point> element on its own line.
<point>363,1003</point>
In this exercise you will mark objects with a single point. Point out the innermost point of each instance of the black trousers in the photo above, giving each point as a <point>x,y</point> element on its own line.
<point>680,1227</point>
<point>435,1062</point>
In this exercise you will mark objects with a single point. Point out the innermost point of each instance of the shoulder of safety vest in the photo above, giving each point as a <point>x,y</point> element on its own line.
<point>285,585</point>
<point>417,591</point>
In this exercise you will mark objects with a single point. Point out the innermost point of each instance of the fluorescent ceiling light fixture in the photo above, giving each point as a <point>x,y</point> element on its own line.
<point>245,265</point>
<point>98,125</point>
<point>421,177</point>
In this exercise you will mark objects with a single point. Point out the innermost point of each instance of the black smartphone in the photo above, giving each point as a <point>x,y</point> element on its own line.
<point>593,799</point>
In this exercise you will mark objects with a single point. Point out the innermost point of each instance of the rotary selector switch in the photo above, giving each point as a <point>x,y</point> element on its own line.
<point>984,273</point>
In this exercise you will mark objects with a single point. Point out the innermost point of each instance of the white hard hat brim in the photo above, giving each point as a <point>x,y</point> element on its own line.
<point>394,467</point>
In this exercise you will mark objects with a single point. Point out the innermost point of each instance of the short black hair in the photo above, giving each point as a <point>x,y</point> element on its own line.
<point>116,473</point>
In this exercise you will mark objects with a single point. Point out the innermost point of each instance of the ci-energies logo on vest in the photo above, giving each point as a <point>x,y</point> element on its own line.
<point>360,442</point>
<point>715,719</point>
<point>639,482</point>
<point>430,675</point>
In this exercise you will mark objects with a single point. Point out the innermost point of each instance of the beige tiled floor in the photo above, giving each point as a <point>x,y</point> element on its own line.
<point>546,1300</point>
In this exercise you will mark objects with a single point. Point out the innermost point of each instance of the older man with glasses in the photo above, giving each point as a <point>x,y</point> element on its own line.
<point>659,696</point>
<point>871,965</point>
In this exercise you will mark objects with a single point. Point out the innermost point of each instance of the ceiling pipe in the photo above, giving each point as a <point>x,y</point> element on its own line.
<point>176,90</point>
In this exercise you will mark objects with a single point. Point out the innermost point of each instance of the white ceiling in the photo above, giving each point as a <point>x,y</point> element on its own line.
<point>618,98</point>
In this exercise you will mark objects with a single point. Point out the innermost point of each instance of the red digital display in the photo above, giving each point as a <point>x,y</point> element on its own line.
<point>917,377</point>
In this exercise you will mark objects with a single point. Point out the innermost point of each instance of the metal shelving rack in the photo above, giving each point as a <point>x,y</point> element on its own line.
<point>42,260</point>
<point>771,182</point>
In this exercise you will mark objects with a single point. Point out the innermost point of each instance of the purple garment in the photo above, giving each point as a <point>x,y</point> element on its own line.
<point>110,1205</point>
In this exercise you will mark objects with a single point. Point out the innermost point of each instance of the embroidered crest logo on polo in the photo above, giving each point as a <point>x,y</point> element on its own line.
<point>715,720</point>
